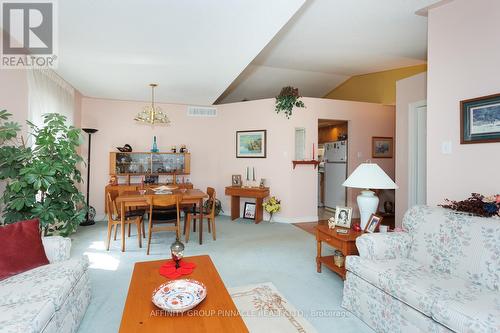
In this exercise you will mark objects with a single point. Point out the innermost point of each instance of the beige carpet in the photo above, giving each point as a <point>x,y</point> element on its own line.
<point>265,310</point>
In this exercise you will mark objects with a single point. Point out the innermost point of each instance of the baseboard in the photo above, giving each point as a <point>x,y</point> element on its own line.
<point>281,219</point>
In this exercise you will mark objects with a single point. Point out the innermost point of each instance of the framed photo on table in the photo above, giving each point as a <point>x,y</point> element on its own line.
<point>236,180</point>
<point>480,120</point>
<point>373,223</point>
<point>343,217</point>
<point>249,211</point>
<point>251,144</point>
<point>382,147</point>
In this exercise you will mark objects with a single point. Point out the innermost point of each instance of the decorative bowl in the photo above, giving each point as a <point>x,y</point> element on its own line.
<point>178,296</point>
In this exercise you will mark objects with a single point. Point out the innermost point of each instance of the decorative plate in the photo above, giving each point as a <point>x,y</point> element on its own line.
<point>178,296</point>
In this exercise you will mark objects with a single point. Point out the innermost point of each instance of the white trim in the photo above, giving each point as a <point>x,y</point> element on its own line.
<point>280,219</point>
<point>412,142</point>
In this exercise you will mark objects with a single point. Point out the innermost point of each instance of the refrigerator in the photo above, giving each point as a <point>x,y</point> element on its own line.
<point>335,169</point>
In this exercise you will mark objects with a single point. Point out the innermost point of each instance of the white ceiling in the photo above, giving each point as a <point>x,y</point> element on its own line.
<point>328,41</point>
<point>193,49</point>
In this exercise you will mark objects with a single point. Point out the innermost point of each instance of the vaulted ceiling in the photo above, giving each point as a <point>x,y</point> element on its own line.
<point>200,51</point>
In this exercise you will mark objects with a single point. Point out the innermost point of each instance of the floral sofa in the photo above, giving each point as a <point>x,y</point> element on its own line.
<point>50,298</point>
<point>440,275</point>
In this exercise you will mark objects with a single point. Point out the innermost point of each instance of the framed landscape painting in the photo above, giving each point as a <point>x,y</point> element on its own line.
<point>480,119</point>
<point>251,144</point>
<point>382,147</point>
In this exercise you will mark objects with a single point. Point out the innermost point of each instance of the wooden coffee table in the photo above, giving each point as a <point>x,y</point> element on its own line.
<point>345,243</point>
<point>217,312</point>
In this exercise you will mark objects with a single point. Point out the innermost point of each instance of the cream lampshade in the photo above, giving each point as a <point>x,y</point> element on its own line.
<point>368,176</point>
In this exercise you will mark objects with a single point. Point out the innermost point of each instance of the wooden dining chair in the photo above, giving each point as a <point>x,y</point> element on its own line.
<point>114,220</point>
<point>209,214</point>
<point>162,201</point>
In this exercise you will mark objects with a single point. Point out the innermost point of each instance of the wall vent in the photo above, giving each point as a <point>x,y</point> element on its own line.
<point>201,111</point>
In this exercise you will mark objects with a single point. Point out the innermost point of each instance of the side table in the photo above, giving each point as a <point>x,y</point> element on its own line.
<point>345,243</point>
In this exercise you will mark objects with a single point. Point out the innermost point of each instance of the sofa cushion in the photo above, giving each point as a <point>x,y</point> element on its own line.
<point>26,317</point>
<point>54,281</point>
<point>469,311</point>
<point>454,243</point>
<point>21,248</point>
<point>408,281</point>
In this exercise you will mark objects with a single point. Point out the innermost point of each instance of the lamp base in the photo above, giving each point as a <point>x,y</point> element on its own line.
<point>367,204</point>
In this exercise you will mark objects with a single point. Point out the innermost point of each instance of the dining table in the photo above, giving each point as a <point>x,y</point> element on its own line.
<point>140,198</point>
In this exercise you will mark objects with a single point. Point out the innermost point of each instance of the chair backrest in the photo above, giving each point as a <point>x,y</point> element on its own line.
<point>164,200</point>
<point>113,212</point>
<point>211,199</point>
<point>455,243</point>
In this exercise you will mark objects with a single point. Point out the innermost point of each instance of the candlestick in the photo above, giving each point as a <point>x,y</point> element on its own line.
<point>248,177</point>
<point>253,173</point>
<point>313,153</point>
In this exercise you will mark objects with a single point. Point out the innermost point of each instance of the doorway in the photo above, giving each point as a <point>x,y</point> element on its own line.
<point>417,154</point>
<point>332,170</point>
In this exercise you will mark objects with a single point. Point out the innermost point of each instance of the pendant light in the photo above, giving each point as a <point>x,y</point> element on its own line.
<point>152,114</point>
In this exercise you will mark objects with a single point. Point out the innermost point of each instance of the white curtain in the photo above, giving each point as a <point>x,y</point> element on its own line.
<point>48,93</point>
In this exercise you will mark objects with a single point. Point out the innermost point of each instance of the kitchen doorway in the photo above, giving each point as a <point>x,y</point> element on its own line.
<point>332,170</point>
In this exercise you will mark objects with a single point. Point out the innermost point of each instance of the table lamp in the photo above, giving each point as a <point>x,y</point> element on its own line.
<point>368,176</point>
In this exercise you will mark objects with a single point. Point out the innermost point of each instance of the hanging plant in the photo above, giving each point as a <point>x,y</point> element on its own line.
<point>287,99</point>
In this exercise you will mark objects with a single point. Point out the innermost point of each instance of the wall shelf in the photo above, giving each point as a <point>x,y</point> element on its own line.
<point>312,162</point>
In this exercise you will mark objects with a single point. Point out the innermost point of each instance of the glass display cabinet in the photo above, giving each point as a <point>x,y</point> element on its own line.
<point>125,164</point>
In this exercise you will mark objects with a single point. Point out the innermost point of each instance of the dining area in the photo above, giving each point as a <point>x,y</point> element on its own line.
<point>159,209</point>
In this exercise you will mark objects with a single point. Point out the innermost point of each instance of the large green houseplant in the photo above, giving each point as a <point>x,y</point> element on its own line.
<point>41,178</point>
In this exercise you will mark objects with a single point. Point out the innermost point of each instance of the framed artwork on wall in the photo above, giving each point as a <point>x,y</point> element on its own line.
<point>480,120</point>
<point>382,147</point>
<point>251,144</point>
<point>249,211</point>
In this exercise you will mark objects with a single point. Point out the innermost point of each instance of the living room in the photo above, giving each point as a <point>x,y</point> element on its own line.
<point>206,138</point>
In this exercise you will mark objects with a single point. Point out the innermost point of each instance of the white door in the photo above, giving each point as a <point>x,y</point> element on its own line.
<point>417,154</point>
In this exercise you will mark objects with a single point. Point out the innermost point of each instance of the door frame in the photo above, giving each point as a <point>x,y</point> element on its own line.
<point>412,154</point>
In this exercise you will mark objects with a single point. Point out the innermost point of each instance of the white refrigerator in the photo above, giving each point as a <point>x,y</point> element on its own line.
<point>335,173</point>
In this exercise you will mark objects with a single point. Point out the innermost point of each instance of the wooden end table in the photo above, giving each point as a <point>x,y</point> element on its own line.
<point>259,193</point>
<point>345,243</point>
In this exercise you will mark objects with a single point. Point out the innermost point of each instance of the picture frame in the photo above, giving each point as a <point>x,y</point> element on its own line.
<point>373,223</point>
<point>480,120</point>
<point>236,180</point>
<point>343,217</point>
<point>249,210</point>
<point>382,147</point>
<point>251,144</point>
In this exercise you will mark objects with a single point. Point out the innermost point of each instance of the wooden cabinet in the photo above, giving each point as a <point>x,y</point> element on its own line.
<point>130,164</point>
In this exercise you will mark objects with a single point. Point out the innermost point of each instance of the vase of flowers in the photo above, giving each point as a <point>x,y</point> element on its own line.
<point>273,205</point>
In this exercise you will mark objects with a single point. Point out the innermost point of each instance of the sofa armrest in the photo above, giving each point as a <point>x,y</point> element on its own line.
<point>57,248</point>
<point>388,245</point>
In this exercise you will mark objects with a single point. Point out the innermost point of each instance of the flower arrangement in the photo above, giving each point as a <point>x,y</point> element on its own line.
<point>477,204</point>
<point>287,99</point>
<point>273,205</point>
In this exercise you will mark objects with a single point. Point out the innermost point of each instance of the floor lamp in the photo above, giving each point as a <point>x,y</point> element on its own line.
<point>89,218</point>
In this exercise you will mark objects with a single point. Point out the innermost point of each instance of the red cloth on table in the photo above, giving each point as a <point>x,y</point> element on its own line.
<point>168,269</point>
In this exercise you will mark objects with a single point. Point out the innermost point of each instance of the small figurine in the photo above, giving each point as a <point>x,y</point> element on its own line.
<point>183,149</point>
<point>173,149</point>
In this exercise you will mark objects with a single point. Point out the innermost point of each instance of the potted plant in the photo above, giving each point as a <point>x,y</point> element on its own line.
<point>288,99</point>
<point>41,179</point>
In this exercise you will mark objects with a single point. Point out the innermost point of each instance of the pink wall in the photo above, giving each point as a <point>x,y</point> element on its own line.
<point>14,95</point>
<point>408,91</point>
<point>463,63</point>
<point>211,142</point>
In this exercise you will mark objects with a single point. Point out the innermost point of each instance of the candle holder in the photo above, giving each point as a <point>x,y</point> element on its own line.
<point>177,252</point>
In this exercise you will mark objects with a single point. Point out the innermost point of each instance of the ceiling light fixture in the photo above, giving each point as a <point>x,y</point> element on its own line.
<point>152,114</point>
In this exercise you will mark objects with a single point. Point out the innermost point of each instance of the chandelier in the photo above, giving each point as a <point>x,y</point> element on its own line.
<point>151,114</point>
